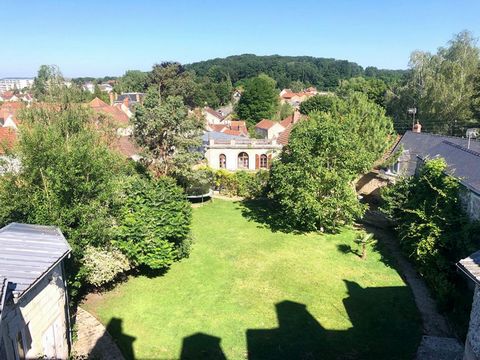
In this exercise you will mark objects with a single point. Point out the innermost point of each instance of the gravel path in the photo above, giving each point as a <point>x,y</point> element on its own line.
<point>434,323</point>
<point>93,340</point>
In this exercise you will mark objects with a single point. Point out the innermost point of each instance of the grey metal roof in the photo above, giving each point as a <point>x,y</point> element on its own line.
<point>216,135</point>
<point>28,252</point>
<point>471,266</point>
<point>461,162</point>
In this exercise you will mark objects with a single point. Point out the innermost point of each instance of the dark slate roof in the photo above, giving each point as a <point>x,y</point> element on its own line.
<point>462,163</point>
<point>28,253</point>
<point>471,266</point>
<point>420,143</point>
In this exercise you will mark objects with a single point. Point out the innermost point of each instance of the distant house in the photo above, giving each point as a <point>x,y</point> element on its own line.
<point>106,87</point>
<point>34,320</point>
<point>237,128</point>
<point>230,152</point>
<point>89,86</point>
<point>211,116</point>
<point>129,99</point>
<point>269,129</point>
<point>296,98</point>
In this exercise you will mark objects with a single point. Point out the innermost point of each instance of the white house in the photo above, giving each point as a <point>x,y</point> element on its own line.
<point>7,84</point>
<point>34,319</point>
<point>233,153</point>
<point>269,129</point>
<point>212,117</point>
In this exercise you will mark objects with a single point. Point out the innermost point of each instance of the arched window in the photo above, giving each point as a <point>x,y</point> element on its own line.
<point>243,160</point>
<point>223,161</point>
<point>263,161</point>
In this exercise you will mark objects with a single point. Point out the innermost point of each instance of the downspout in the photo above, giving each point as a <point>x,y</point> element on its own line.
<point>67,310</point>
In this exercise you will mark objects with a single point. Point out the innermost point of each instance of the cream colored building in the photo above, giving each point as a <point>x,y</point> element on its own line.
<point>240,153</point>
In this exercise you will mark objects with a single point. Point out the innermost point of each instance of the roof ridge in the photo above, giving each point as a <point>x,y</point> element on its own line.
<point>473,152</point>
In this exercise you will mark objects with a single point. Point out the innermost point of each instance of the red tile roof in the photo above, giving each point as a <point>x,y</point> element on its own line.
<point>7,138</point>
<point>125,146</point>
<point>265,124</point>
<point>118,115</point>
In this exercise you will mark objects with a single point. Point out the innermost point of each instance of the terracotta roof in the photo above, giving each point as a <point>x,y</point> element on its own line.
<point>265,124</point>
<point>291,119</point>
<point>7,138</point>
<point>125,146</point>
<point>218,127</point>
<point>118,115</point>
<point>284,136</point>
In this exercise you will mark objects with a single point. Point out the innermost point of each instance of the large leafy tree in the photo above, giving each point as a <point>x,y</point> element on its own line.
<point>68,178</point>
<point>317,103</point>
<point>312,183</point>
<point>132,81</point>
<point>259,100</point>
<point>172,79</point>
<point>374,88</point>
<point>167,132</point>
<point>48,80</point>
<point>442,87</point>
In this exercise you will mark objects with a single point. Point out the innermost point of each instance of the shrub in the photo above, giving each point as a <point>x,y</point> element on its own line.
<point>154,223</point>
<point>242,183</point>
<point>433,229</point>
<point>103,265</point>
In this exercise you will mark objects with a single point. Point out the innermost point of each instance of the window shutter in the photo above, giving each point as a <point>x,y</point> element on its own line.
<point>257,161</point>
<point>269,161</point>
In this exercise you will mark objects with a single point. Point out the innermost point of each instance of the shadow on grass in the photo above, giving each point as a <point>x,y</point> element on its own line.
<point>385,325</point>
<point>348,249</point>
<point>264,212</point>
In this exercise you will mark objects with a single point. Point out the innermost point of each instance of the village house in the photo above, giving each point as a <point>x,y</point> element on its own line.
<point>34,318</point>
<point>268,129</point>
<point>230,152</point>
<point>296,98</point>
<point>212,117</point>
<point>461,155</point>
<point>128,99</point>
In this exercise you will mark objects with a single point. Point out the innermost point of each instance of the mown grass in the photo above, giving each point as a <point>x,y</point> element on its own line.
<point>248,292</point>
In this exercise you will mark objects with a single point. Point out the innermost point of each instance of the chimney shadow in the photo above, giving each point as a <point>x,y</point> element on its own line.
<point>202,346</point>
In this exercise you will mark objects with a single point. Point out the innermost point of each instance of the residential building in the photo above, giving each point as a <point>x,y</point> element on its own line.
<point>212,117</point>
<point>230,152</point>
<point>89,86</point>
<point>7,84</point>
<point>470,266</point>
<point>461,155</point>
<point>106,87</point>
<point>129,99</point>
<point>296,98</point>
<point>34,319</point>
<point>269,129</point>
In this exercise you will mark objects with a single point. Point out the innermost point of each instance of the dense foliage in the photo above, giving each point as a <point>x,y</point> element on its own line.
<point>70,178</point>
<point>317,103</point>
<point>167,133</point>
<point>433,229</point>
<point>154,223</point>
<point>442,86</point>
<point>312,182</point>
<point>259,100</point>
<point>289,71</point>
<point>242,183</point>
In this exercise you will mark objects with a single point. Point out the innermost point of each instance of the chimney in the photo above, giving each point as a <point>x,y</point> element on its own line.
<point>125,101</point>
<point>112,97</point>
<point>417,128</point>
<point>137,95</point>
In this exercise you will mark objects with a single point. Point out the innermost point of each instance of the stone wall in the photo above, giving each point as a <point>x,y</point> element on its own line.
<point>472,344</point>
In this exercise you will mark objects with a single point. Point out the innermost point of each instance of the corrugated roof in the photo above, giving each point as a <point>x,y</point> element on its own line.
<point>471,266</point>
<point>28,252</point>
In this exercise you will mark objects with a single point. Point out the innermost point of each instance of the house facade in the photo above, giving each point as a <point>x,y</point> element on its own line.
<point>237,153</point>
<point>34,319</point>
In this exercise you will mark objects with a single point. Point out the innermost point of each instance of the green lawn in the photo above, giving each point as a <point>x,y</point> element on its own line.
<point>248,292</point>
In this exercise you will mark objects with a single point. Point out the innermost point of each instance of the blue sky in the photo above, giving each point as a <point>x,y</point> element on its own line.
<point>104,37</point>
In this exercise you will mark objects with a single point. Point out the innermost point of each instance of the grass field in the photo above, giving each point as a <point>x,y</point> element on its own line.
<point>248,292</point>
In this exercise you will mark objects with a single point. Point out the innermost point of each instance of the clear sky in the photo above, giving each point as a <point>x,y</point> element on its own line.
<point>105,37</point>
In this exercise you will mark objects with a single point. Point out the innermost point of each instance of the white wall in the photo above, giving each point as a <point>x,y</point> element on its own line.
<point>213,156</point>
<point>41,317</point>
